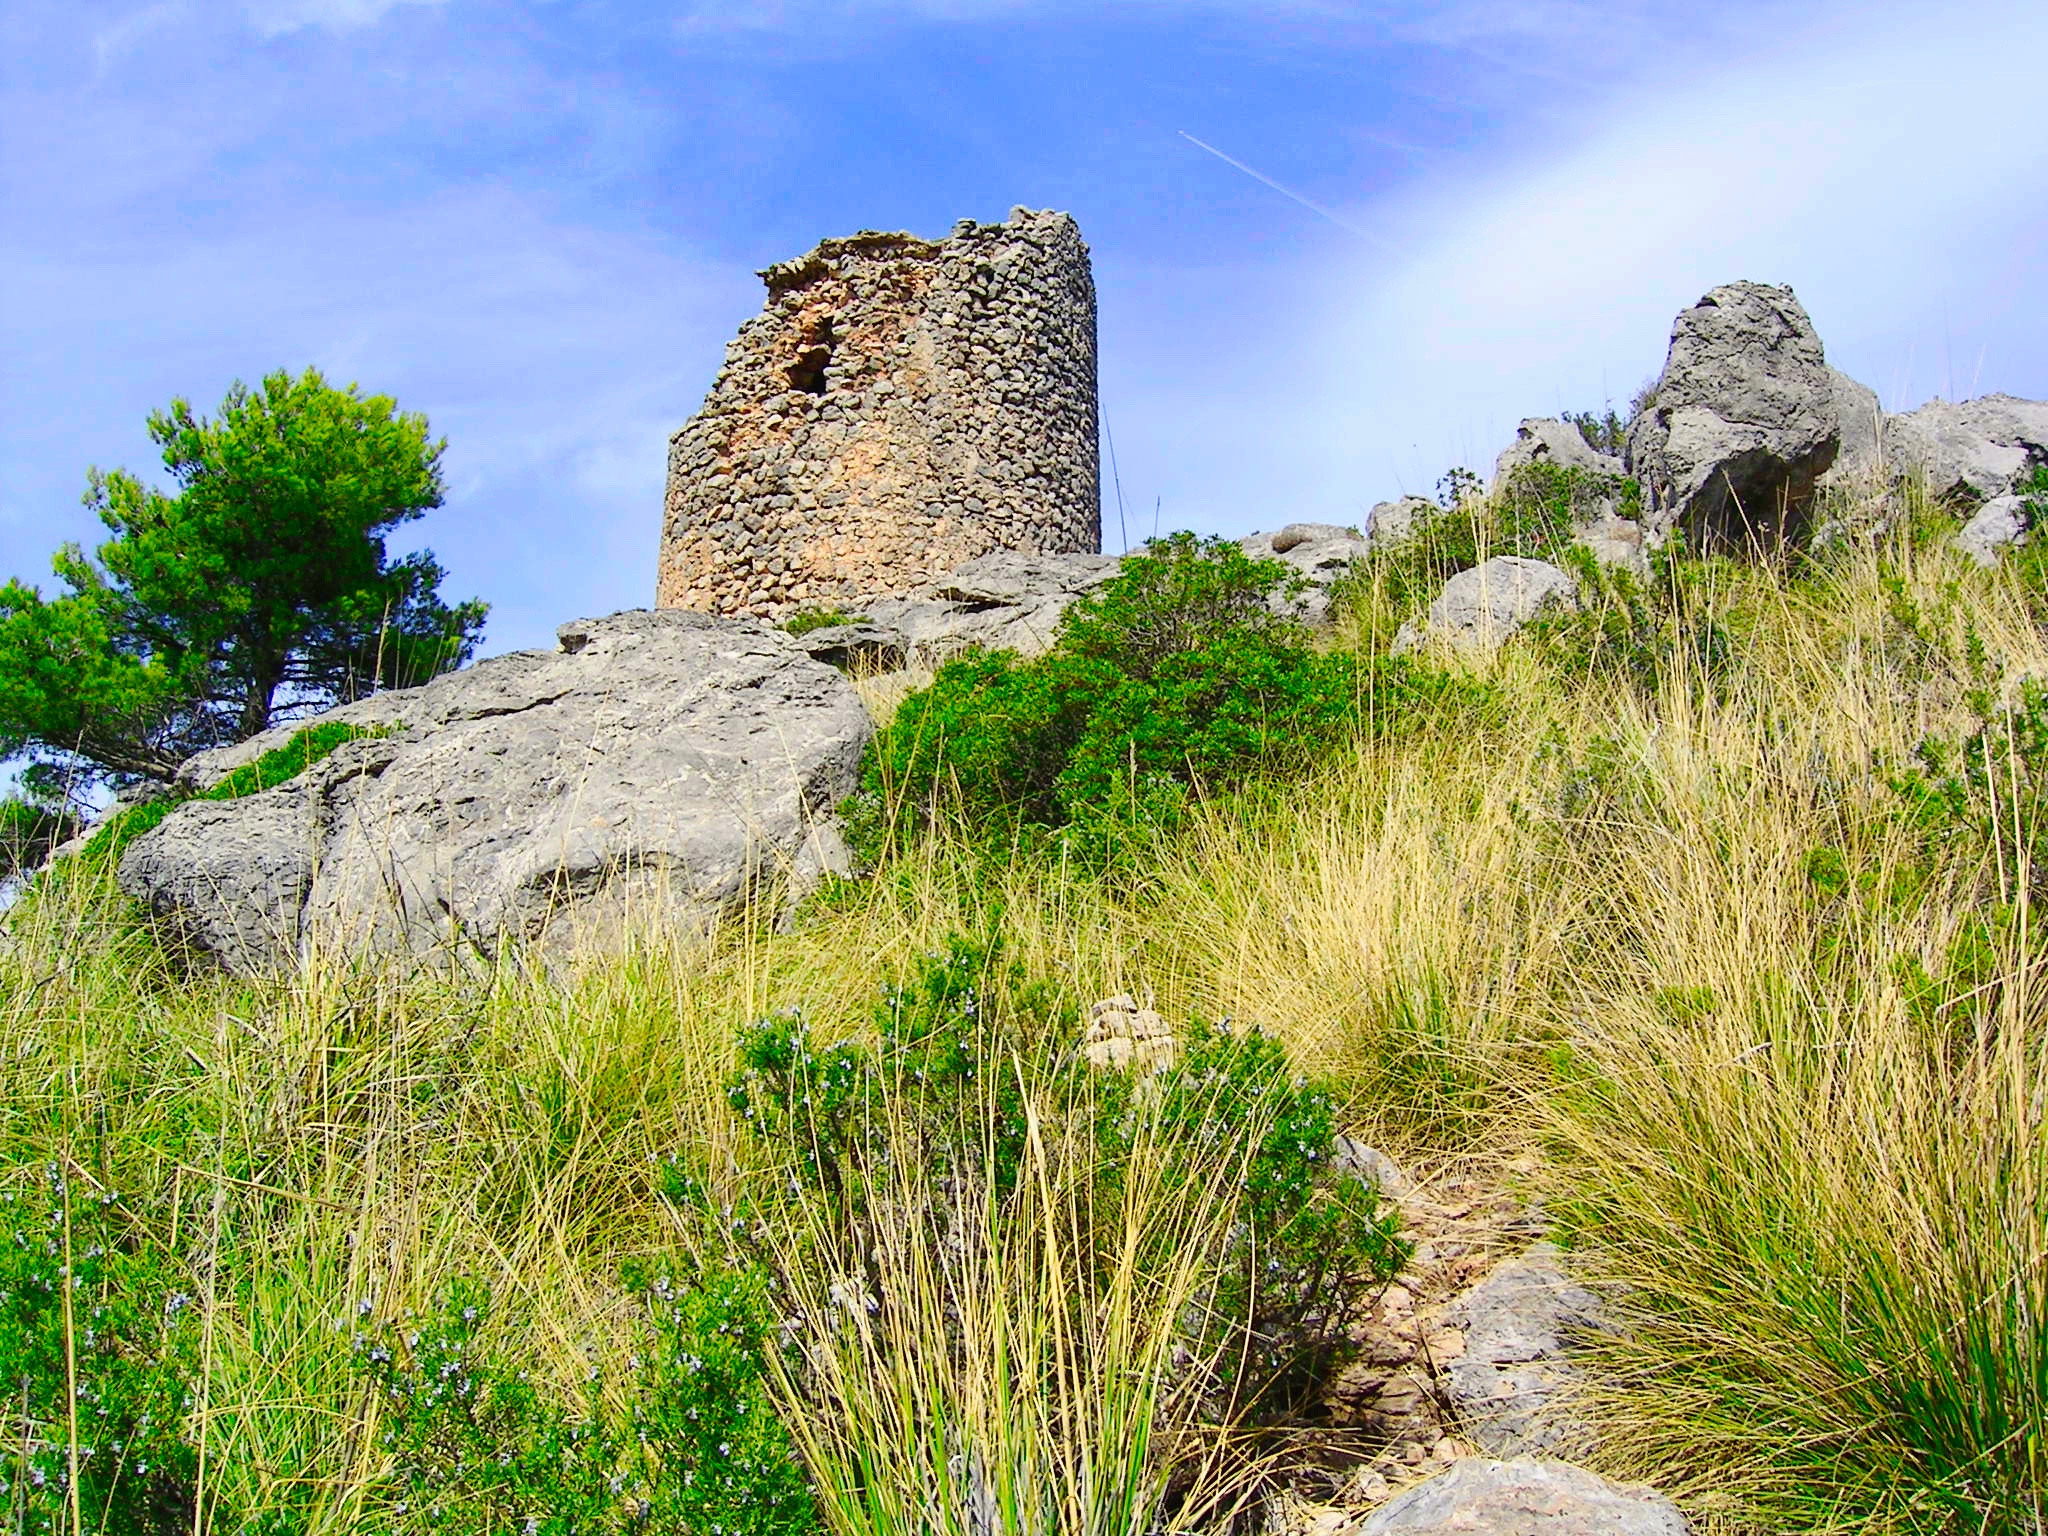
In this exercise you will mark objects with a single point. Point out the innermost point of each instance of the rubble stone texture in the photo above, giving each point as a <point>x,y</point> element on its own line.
<point>898,408</point>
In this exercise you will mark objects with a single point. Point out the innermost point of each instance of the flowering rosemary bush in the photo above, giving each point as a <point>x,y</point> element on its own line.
<point>477,1447</point>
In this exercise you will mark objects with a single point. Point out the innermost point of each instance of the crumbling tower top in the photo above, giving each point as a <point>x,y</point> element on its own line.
<point>898,407</point>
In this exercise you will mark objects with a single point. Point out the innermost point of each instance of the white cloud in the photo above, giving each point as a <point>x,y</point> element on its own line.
<point>1894,204</point>
<point>273,18</point>
<point>124,35</point>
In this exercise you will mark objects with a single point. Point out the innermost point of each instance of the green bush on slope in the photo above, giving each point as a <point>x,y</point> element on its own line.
<point>1184,677</point>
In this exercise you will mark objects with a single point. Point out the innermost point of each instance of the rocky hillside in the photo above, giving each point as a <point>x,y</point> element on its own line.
<point>1522,1017</point>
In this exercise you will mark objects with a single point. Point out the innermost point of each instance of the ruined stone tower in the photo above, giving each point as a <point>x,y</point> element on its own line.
<point>898,407</point>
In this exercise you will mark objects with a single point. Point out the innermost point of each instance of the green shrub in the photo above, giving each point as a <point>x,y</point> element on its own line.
<point>29,829</point>
<point>971,1057</point>
<point>1187,675</point>
<point>477,1447</point>
<point>83,1298</point>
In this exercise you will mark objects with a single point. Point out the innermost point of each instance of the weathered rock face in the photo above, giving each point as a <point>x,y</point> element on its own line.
<point>1546,440</point>
<point>659,762</point>
<point>900,406</point>
<point>1743,423</point>
<point>1860,459</point>
<point>1483,606</point>
<point>1525,1498</point>
<point>1320,553</point>
<point>1392,521</point>
<point>1975,450</point>
<point>1520,1324</point>
<point>1995,527</point>
<point>1002,601</point>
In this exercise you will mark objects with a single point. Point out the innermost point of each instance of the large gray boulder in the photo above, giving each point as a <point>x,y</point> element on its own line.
<point>1483,606</point>
<point>1004,601</point>
<point>1318,553</point>
<point>1547,440</point>
<point>1742,425</point>
<point>656,763</point>
<point>1524,1498</point>
<point>1973,450</point>
<point>1994,528</point>
<point>1511,1386</point>
<point>1390,522</point>
<point>1859,423</point>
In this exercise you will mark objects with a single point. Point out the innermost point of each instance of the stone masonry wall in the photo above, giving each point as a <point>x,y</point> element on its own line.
<point>899,407</point>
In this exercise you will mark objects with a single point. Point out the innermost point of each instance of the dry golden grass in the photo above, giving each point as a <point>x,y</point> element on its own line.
<point>1586,923</point>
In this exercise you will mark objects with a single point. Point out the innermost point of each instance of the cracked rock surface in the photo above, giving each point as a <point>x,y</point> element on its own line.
<point>1524,1498</point>
<point>654,760</point>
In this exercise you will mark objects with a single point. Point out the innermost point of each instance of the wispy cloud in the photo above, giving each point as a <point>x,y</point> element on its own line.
<point>273,18</point>
<point>127,33</point>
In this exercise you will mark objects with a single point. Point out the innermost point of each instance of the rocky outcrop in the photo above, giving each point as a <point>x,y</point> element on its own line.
<point>1547,440</point>
<point>1860,458</point>
<point>1510,1387</point>
<point>1318,553</point>
<point>1003,601</point>
<point>1524,1498</point>
<point>1994,528</point>
<point>1483,606</point>
<point>1390,522</point>
<point>1742,425</point>
<point>1972,450</point>
<point>655,762</point>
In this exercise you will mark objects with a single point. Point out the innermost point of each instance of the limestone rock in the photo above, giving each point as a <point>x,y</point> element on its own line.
<point>1320,553</point>
<point>1390,522</point>
<point>660,762</point>
<point>1483,606</point>
<point>1546,440</point>
<point>1616,540</point>
<point>1997,525</point>
<point>1524,1498</point>
<point>1351,1156</point>
<point>1123,1035</point>
<point>1974,449</point>
<point>1519,1325</point>
<point>1860,459</point>
<point>860,646</point>
<point>1742,425</point>
<point>1000,601</point>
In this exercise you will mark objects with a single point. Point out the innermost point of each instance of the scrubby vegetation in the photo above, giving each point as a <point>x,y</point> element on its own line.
<point>1709,915</point>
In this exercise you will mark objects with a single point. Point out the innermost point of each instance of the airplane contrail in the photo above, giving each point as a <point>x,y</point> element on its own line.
<point>1288,192</point>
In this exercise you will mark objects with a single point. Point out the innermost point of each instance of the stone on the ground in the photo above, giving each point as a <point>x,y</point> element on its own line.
<point>657,763</point>
<point>1319,553</point>
<point>1001,601</point>
<point>1524,1498</point>
<point>1390,522</point>
<point>1994,528</point>
<point>1547,440</point>
<point>1976,450</point>
<point>1481,607</point>
<point>1616,540</point>
<point>1349,1155</point>
<point>1510,1387</point>
<point>1742,425</point>
<point>1122,1035</point>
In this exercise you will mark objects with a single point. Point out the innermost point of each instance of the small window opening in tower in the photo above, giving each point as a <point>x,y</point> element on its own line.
<point>807,373</point>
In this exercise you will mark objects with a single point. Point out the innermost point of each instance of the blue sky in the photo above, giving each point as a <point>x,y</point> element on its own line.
<point>537,221</point>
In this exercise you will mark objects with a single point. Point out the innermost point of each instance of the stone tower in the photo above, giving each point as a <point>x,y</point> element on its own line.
<point>899,406</point>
